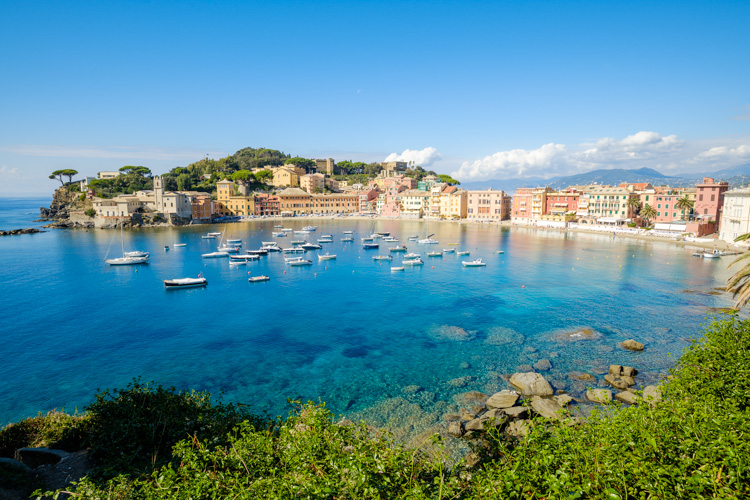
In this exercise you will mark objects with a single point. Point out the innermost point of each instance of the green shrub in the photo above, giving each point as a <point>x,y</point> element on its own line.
<point>90,212</point>
<point>134,429</point>
<point>56,429</point>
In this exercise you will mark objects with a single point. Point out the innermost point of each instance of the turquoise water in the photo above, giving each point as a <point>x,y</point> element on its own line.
<point>20,213</point>
<point>349,331</point>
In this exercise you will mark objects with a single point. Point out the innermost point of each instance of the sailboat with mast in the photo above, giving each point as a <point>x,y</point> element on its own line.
<point>427,240</point>
<point>128,258</point>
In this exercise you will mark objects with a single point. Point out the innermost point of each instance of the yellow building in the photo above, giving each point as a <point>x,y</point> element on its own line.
<point>453,203</point>
<point>228,203</point>
<point>287,176</point>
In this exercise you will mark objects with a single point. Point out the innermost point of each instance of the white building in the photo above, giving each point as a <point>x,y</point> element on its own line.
<point>108,175</point>
<point>735,216</point>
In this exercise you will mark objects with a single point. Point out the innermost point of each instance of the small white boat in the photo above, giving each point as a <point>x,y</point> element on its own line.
<point>257,252</point>
<point>293,250</point>
<point>243,257</point>
<point>271,248</point>
<point>300,262</point>
<point>215,235</point>
<point>346,240</point>
<point>709,255</point>
<point>474,263</point>
<point>327,236</point>
<point>390,239</point>
<point>325,240</point>
<point>402,248</point>
<point>412,262</point>
<point>278,226</point>
<point>268,243</point>
<point>185,283</point>
<point>412,255</point>
<point>428,241</point>
<point>298,242</point>
<point>302,232</point>
<point>327,257</point>
<point>208,237</point>
<point>180,244</point>
<point>348,232</point>
<point>280,235</point>
<point>449,250</point>
<point>136,253</point>
<point>413,237</point>
<point>397,268</point>
<point>383,234</point>
<point>368,246</point>
<point>234,241</point>
<point>292,259</point>
<point>214,255</point>
<point>287,230</point>
<point>383,257</point>
<point>310,228</point>
<point>500,251</point>
<point>127,261</point>
<point>464,252</point>
<point>434,254</point>
<point>228,249</point>
<point>311,246</point>
<point>366,239</point>
<point>256,279</point>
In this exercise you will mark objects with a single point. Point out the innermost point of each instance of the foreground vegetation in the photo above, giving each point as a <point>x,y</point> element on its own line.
<point>150,442</point>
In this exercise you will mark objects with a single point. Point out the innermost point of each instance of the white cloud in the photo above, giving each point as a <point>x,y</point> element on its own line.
<point>724,153</point>
<point>8,172</point>
<point>422,157</point>
<point>111,152</point>
<point>634,151</point>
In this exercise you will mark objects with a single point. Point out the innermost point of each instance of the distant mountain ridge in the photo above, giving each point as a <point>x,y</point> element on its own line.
<point>735,176</point>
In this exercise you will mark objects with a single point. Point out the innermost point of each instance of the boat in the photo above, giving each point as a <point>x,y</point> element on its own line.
<point>128,258</point>
<point>268,243</point>
<point>228,249</point>
<point>311,246</point>
<point>413,237</point>
<point>325,240</point>
<point>280,234</point>
<point>347,240</point>
<point>271,248</point>
<point>412,255</point>
<point>292,259</point>
<point>402,248</point>
<point>300,262</point>
<point>383,257</point>
<point>310,228</point>
<point>463,252</point>
<point>243,258</point>
<point>500,251</point>
<point>257,252</point>
<point>390,239</point>
<point>208,237</point>
<point>293,250</point>
<point>327,236</point>
<point>236,241</point>
<point>166,248</point>
<point>382,233</point>
<point>711,255</point>
<point>366,239</point>
<point>185,283</point>
<point>327,257</point>
<point>412,262</point>
<point>348,232</point>
<point>397,268</point>
<point>434,254</point>
<point>215,235</point>
<point>287,230</point>
<point>474,263</point>
<point>278,226</point>
<point>449,250</point>
<point>368,246</point>
<point>214,255</point>
<point>256,279</point>
<point>427,240</point>
<point>698,254</point>
<point>302,232</point>
<point>180,244</point>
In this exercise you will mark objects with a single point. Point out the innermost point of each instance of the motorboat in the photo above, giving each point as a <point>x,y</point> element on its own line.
<point>208,237</point>
<point>427,241</point>
<point>449,250</point>
<point>327,256</point>
<point>298,242</point>
<point>292,259</point>
<point>397,268</point>
<point>413,237</point>
<point>382,234</point>
<point>347,240</point>
<point>390,239</point>
<point>474,263</point>
<point>434,254</point>
<point>287,229</point>
<point>327,236</point>
<point>366,239</point>
<point>214,255</point>
<point>256,279</point>
<point>412,262</point>
<point>228,249</point>
<point>293,250</point>
<point>257,252</point>
<point>243,257</point>
<point>368,246</point>
<point>402,248</point>
<point>311,246</point>
<point>500,251</point>
<point>271,248</point>
<point>348,232</point>
<point>135,253</point>
<point>300,262</point>
<point>302,232</point>
<point>215,235</point>
<point>185,283</point>
<point>325,240</point>
<point>711,255</point>
<point>463,252</point>
<point>278,226</point>
<point>412,255</point>
<point>267,243</point>
<point>310,228</point>
<point>280,234</point>
<point>235,241</point>
<point>383,257</point>
<point>180,245</point>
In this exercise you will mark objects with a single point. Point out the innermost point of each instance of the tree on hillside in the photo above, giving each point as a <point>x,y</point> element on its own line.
<point>308,165</point>
<point>184,182</point>
<point>137,170</point>
<point>264,175</point>
<point>243,177</point>
<point>648,213</point>
<point>684,204</point>
<point>449,180</point>
<point>59,174</point>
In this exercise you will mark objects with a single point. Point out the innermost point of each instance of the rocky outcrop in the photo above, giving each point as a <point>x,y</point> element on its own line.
<point>632,345</point>
<point>502,399</point>
<point>64,201</point>
<point>627,397</point>
<point>34,457</point>
<point>652,394</point>
<point>12,232</point>
<point>599,395</point>
<point>547,408</point>
<point>531,384</point>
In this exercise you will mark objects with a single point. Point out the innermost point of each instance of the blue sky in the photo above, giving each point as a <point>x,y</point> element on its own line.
<point>477,89</point>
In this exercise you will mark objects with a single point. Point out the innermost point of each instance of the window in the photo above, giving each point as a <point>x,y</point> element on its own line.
<point>658,214</point>
<point>713,197</point>
<point>700,197</point>
<point>658,206</point>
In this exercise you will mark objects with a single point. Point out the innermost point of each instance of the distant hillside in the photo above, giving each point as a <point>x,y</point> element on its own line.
<point>735,176</point>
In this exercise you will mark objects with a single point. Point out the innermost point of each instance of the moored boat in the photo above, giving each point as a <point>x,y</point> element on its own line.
<point>214,255</point>
<point>383,257</point>
<point>464,252</point>
<point>243,257</point>
<point>127,261</point>
<point>434,254</point>
<point>474,263</point>
<point>185,283</point>
<point>300,262</point>
<point>411,255</point>
<point>347,240</point>
<point>412,262</point>
<point>311,246</point>
<point>256,279</point>
<point>293,250</point>
<point>397,268</point>
<point>327,256</point>
<point>369,246</point>
<point>402,248</point>
<point>449,250</point>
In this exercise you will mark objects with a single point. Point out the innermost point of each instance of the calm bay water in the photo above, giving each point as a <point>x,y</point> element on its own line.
<point>349,331</point>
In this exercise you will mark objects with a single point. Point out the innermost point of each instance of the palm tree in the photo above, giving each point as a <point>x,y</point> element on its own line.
<point>648,213</point>
<point>739,282</point>
<point>683,204</point>
<point>634,205</point>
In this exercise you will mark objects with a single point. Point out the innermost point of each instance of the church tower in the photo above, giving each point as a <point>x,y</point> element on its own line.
<point>159,193</point>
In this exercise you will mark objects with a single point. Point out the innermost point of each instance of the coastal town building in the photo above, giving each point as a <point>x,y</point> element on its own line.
<point>325,166</point>
<point>488,204</point>
<point>108,175</point>
<point>287,176</point>
<point>415,203</point>
<point>610,205</point>
<point>391,168</point>
<point>334,203</point>
<point>709,198</point>
<point>312,182</point>
<point>266,205</point>
<point>453,203</point>
<point>202,209</point>
<point>521,205</point>
<point>735,215</point>
<point>294,201</point>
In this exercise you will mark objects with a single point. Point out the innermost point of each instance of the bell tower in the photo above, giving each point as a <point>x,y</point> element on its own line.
<point>159,193</point>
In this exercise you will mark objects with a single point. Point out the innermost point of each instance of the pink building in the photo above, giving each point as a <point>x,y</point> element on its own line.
<point>367,200</point>
<point>488,205</point>
<point>522,203</point>
<point>409,182</point>
<point>709,199</point>
<point>666,207</point>
<point>562,202</point>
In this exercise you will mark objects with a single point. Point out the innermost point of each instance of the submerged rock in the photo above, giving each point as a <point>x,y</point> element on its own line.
<point>543,365</point>
<point>632,345</point>
<point>451,333</point>
<point>586,377</point>
<point>503,336</point>
<point>411,389</point>
<point>531,384</point>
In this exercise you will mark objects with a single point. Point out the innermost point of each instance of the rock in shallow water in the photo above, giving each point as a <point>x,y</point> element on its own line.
<point>547,408</point>
<point>531,384</point>
<point>502,399</point>
<point>632,345</point>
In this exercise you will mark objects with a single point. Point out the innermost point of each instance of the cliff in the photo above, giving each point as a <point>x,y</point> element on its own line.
<point>67,209</point>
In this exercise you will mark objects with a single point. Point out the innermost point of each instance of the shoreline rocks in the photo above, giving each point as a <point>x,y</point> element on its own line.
<point>531,384</point>
<point>632,345</point>
<point>28,230</point>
